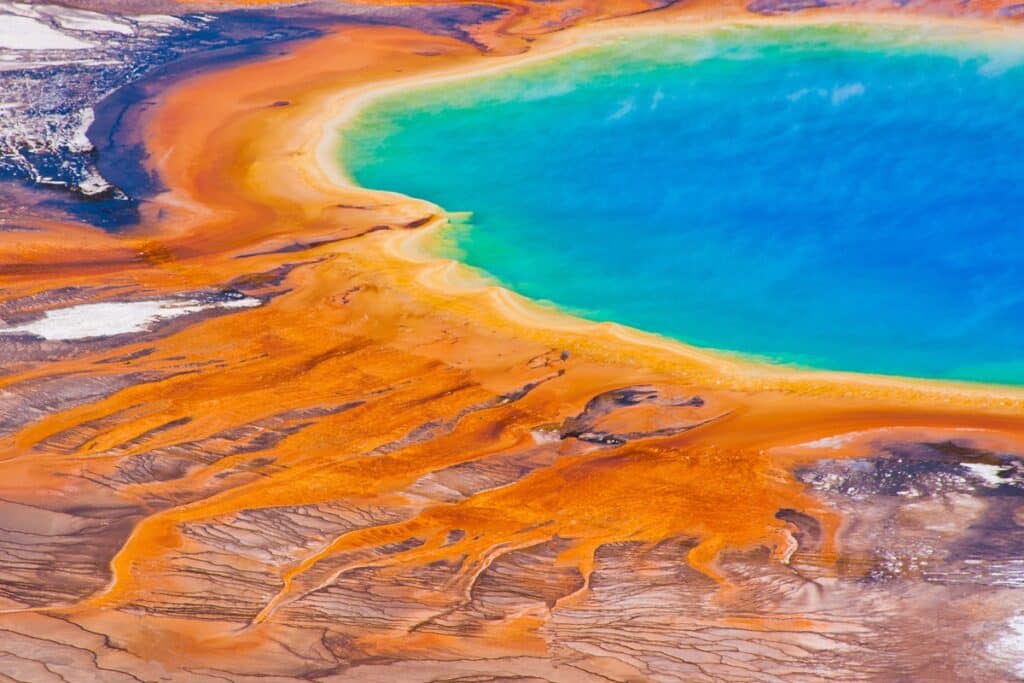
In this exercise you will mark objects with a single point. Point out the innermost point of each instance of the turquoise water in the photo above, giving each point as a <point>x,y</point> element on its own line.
<point>841,199</point>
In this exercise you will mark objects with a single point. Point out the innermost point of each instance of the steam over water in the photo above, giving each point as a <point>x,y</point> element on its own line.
<point>847,199</point>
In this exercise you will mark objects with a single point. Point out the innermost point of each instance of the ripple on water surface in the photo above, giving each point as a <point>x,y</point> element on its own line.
<point>848,199</point>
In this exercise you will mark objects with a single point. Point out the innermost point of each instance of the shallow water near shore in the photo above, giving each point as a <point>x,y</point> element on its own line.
<point>846,199</point>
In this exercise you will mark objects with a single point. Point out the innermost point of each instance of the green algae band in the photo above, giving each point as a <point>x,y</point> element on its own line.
<point>844,199</point>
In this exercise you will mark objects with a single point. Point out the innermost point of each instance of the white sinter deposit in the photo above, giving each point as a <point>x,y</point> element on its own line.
<point>26,33</point>
<point>106,319</point>
<point>56,62</point>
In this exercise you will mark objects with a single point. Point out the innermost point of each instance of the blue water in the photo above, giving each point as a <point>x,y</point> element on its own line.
<point>843,199</point>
